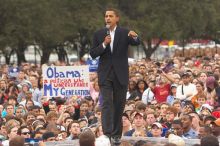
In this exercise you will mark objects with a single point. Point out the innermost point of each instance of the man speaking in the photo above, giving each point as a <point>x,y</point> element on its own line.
<point>111,45</point>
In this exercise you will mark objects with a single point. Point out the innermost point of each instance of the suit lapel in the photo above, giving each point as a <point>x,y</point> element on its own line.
<point>116,39</point>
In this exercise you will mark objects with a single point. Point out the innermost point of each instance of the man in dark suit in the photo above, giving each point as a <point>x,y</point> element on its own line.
<point>111,45</point>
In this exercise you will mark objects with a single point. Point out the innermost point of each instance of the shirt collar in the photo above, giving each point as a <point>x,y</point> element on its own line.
<point>113,29</point>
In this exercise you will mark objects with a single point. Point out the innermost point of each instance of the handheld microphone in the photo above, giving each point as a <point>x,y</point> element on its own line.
<point>108,27</point>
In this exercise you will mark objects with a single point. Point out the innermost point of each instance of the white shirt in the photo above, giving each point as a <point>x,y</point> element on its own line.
<point>147,96</point>
<point>112,34</point>
<point>5,143</point>
<point>183,90</point>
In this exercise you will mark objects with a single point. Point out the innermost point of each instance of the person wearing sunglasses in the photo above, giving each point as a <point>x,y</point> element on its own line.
<point>24,132</point>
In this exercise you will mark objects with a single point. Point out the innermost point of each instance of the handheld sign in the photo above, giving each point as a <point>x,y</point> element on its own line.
<point>66,81</point>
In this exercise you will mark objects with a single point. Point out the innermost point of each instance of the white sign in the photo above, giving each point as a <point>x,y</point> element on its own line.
<point>66,81</point>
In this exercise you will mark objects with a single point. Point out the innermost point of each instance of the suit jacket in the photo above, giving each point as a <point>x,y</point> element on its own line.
<point>118,59</point>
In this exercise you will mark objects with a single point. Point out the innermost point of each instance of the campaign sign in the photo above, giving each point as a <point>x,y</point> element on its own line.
<point>93,64</point>
<point>66,81</point>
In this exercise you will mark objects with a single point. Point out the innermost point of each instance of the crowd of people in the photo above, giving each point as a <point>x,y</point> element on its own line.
<point>177,98</point>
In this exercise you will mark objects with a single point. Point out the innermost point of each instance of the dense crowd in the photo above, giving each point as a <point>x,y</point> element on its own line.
<point>175,98</point>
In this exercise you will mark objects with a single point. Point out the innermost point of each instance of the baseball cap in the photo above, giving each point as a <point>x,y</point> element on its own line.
<point>157,124</point>
<point>173,85</point>
<point>138,113</point>
<point>185,74</point>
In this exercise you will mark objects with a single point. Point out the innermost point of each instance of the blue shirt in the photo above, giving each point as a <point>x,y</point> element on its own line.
<point>191,134</point>
<point>170,99</point>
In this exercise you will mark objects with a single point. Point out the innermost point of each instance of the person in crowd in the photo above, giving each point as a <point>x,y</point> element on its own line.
<point>213,91</point>
<point>150,119</point>
<point>139,90</point>
<point>177,128</point>
<point>87,138</point>
<point>126,123</point>
<point>48,136</point>
<point>209,140</point>
<point>208,120</point>
<point>11,133</point>
<point>98,131</point>
<point>216,128</point>
<point>203,77</point>
<point>156,129</point>
<point>195,121</point>
<point>24,131</point>
<point>188,132</point>
<point>162,90</point>
<point>131,89</point>
<point>139,129</point>
<point>187,90</point>
<point>73,130</point>
<point>17,141</point>
<point>200,98</point>
<point>148,95</point>
<point>162,114</point>
<point>172,97</point>
<point>204,131</point>
<point>171,113</point>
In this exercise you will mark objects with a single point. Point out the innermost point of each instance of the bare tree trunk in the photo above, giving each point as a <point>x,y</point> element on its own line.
<point>149,50</point>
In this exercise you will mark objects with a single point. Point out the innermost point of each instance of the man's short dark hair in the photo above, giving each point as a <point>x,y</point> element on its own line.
<point>87,138</point>
<point>211,118</point>
<point>209,140</point>
<point>178,122</point>
<point>47,135</point>
<point>114,10</point>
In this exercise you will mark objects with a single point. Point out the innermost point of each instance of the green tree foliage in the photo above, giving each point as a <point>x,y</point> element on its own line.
<point>52,24</point>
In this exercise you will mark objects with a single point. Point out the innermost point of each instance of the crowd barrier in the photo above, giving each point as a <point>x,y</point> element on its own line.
<point>131,140</point>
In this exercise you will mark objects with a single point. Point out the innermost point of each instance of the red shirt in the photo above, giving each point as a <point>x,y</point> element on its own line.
<point>161,93</point>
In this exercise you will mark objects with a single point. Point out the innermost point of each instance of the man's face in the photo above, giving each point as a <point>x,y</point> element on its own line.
<point>25,133</point>
<point>186,121</point>
<point>75,129</point>
<point>111,18</point>
<point>19,112</point>
<point>215,129</point>
<point>138,121</point>
<point>68,122</point>
<point>85,106</point>
<point>178,106</point>
<point>150,119</point>
<point>3,84</point>
<point>164,108</point>
<point>202,132</point>
<point>21,75</point>
<point>177,129</point>
<point>13,132</point>
<point>10,110</point>
<point>170,116</point>
<point>52,107</point>
<point>185,79</point>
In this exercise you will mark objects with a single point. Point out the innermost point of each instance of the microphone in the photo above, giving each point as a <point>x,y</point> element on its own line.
<point>108,27</point>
